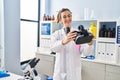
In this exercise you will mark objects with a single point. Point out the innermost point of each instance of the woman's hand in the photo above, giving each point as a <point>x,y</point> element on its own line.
<point>70,37</point>
<point>91,42</point>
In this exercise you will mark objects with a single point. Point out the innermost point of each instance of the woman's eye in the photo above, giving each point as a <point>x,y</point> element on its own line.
<point>69,15</point>
<point>64,16</point>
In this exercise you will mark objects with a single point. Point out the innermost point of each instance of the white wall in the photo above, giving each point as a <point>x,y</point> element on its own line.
<point>42,7</point>
<point>104,9</point>
<point>45,8</point>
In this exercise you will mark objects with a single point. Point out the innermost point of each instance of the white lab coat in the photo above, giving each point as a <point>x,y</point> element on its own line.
<point>68,59</point>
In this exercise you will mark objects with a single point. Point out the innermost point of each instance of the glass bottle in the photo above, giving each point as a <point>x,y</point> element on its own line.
<point>113,33</point>
<point>44,17</point>
<point>52,18</point>
<point>47,17</point>
<point>109,33</point>
<point>103,31</point>
<point>106,33</point>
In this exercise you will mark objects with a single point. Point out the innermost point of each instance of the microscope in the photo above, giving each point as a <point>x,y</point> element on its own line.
<point>29,70</point>
<point>83,36</point>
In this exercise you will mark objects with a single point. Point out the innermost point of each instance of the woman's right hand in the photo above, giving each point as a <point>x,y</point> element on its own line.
<point>70,37</point>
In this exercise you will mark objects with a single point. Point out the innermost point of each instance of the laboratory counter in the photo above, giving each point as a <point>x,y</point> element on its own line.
<point>83,59</point>
<point>91,69</point>
<point>102,62</point>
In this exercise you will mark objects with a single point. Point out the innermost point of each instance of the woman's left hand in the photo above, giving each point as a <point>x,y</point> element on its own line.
<point>91,42</point>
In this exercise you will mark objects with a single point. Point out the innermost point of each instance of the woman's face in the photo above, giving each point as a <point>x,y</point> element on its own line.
<point>66,18</point>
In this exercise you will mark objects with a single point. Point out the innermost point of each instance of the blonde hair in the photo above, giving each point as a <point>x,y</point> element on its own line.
<point>59,14</point>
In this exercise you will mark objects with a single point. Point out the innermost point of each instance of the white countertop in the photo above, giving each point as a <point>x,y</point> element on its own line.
<point>95,60</point>
<point>102,62</point>
<point>46,54</point>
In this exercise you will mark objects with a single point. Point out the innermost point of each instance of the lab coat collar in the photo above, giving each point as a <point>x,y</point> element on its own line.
<point>63,32</point>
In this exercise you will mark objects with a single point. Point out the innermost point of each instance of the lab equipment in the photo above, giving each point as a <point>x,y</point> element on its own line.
<point>3,74</point>
<point>107,46</point>
<point>91,57</point>
<point>93,29</point>
<point>83,36</point>
<point>29,70</point>
<point>49,78</point>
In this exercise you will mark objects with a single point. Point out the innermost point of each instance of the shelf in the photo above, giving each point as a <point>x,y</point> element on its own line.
<point>107,20</point>
<point>107,39</point>
<point>89,20</point>
<point>47,21</point>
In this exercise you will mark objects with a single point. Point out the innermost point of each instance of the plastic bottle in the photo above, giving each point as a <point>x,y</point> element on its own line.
<point>49,78</point>
<point>93,29</point>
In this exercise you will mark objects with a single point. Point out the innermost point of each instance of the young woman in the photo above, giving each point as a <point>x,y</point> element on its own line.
<point>68,59</point>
